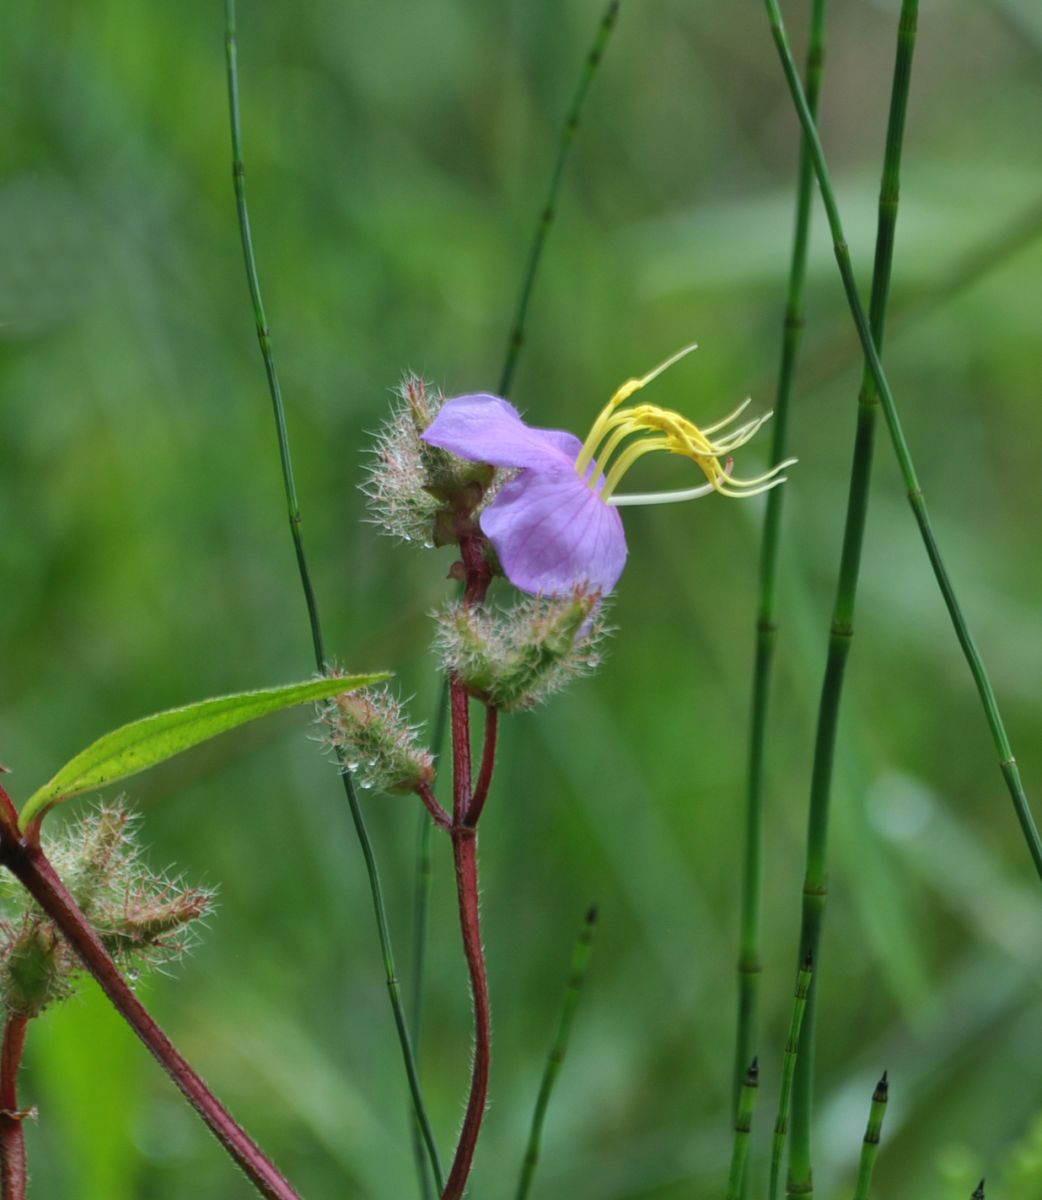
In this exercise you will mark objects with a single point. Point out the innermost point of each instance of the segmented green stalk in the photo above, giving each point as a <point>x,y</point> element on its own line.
<point>870,1144</point>
<point>749,966</point>
<point>800,1181</point>
<point>264,337</point>
<point>792,1042</point>
<point>1007,763</point>
<point>743,1124</point>
<point>558,1048</point>
<point>549,209</point>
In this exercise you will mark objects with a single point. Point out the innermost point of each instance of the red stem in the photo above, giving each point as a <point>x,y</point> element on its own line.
<point>488,762</point>
<point>464,852</point>
<point>33,870</point>
<point>459,703</point>
<point>441,817</point>
<point>13,1173</point>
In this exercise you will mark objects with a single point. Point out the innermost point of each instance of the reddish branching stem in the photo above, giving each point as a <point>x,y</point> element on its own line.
<point>464,851</point>
<point>13,1173</point>
<point>467,806</point>
<point>33,870</point>
<point>459,708</point>
<point>441,817</point>
<point>488,763</point>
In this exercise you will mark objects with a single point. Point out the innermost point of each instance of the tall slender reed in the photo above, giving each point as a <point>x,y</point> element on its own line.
<point>548,213</point>
<point>916,499</point>
<point>558,1048</point>
<point>870,1142</point>
<point>792,1043</point>
<point>841,631</point>
<point>743,1124</point>
<point>749,966</point>
<point>264,338</point>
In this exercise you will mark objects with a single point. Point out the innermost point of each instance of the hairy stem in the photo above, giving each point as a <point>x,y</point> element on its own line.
<point>916,499</point>
<point>14,1175</point>
<point>358,820</point>
<point>558,1048</point>
<point>841,632</point>
<point>766,618</point>
<point>549,210</point>
<point>33,870</point>
<point>465,857</point>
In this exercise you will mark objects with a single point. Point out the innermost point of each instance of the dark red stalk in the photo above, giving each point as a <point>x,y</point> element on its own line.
<point>466,809</point>
<point>465,856</point>
<point>13,1173</point>
<point>488,762</point>
<point>441,817</point>
<point>31,867</point>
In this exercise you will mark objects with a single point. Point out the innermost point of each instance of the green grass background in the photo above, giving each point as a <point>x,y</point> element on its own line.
<point>397,156</point>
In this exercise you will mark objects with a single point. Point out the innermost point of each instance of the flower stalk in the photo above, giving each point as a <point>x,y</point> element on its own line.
<point>468,801</point>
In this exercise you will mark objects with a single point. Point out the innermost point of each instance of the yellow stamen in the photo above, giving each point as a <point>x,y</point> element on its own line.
<point>620,397</point>
<point>671,433</point>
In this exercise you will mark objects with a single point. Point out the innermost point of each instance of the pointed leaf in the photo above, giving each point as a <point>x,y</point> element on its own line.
<point>143,744</point>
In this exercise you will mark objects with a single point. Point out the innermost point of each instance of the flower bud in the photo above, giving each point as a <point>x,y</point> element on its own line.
<point>143,919</point>
<point>370,729</point>
<point>417,492</point>
<point>514,659</point>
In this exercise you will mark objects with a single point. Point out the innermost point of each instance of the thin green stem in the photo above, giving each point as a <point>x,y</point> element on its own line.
<point>264,337</point>
<point>548,212</point>
<point>870,1144</point>
<point>420,924</point>
<point>1007,762</point>
<point>558,1048</point>
<point>815,885</point>
<point>749,966</point>
<point>792,1042</point>
<point>743,1124</point>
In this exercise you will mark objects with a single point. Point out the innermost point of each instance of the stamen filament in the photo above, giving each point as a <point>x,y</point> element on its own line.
<point>695,493</point>
<point>620,397</point>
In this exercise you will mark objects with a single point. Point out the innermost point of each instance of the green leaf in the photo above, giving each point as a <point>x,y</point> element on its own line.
<point>143,744</point>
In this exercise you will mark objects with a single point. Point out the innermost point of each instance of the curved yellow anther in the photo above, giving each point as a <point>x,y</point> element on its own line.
<point>621,396</point>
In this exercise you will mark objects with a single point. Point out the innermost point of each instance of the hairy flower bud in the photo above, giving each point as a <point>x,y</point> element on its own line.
<point>417,492</point>
<point>377,743</point>
<point>142,918</point>
<point>515,659</point>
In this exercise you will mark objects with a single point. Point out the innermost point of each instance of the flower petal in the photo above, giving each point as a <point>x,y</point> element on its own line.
<point>485,428</point>
<point>553,533</point>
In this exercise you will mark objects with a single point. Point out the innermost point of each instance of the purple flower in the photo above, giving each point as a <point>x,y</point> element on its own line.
<point>555,526</point>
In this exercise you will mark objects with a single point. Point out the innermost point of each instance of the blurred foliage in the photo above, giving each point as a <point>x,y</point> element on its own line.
<point>397,159</point>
